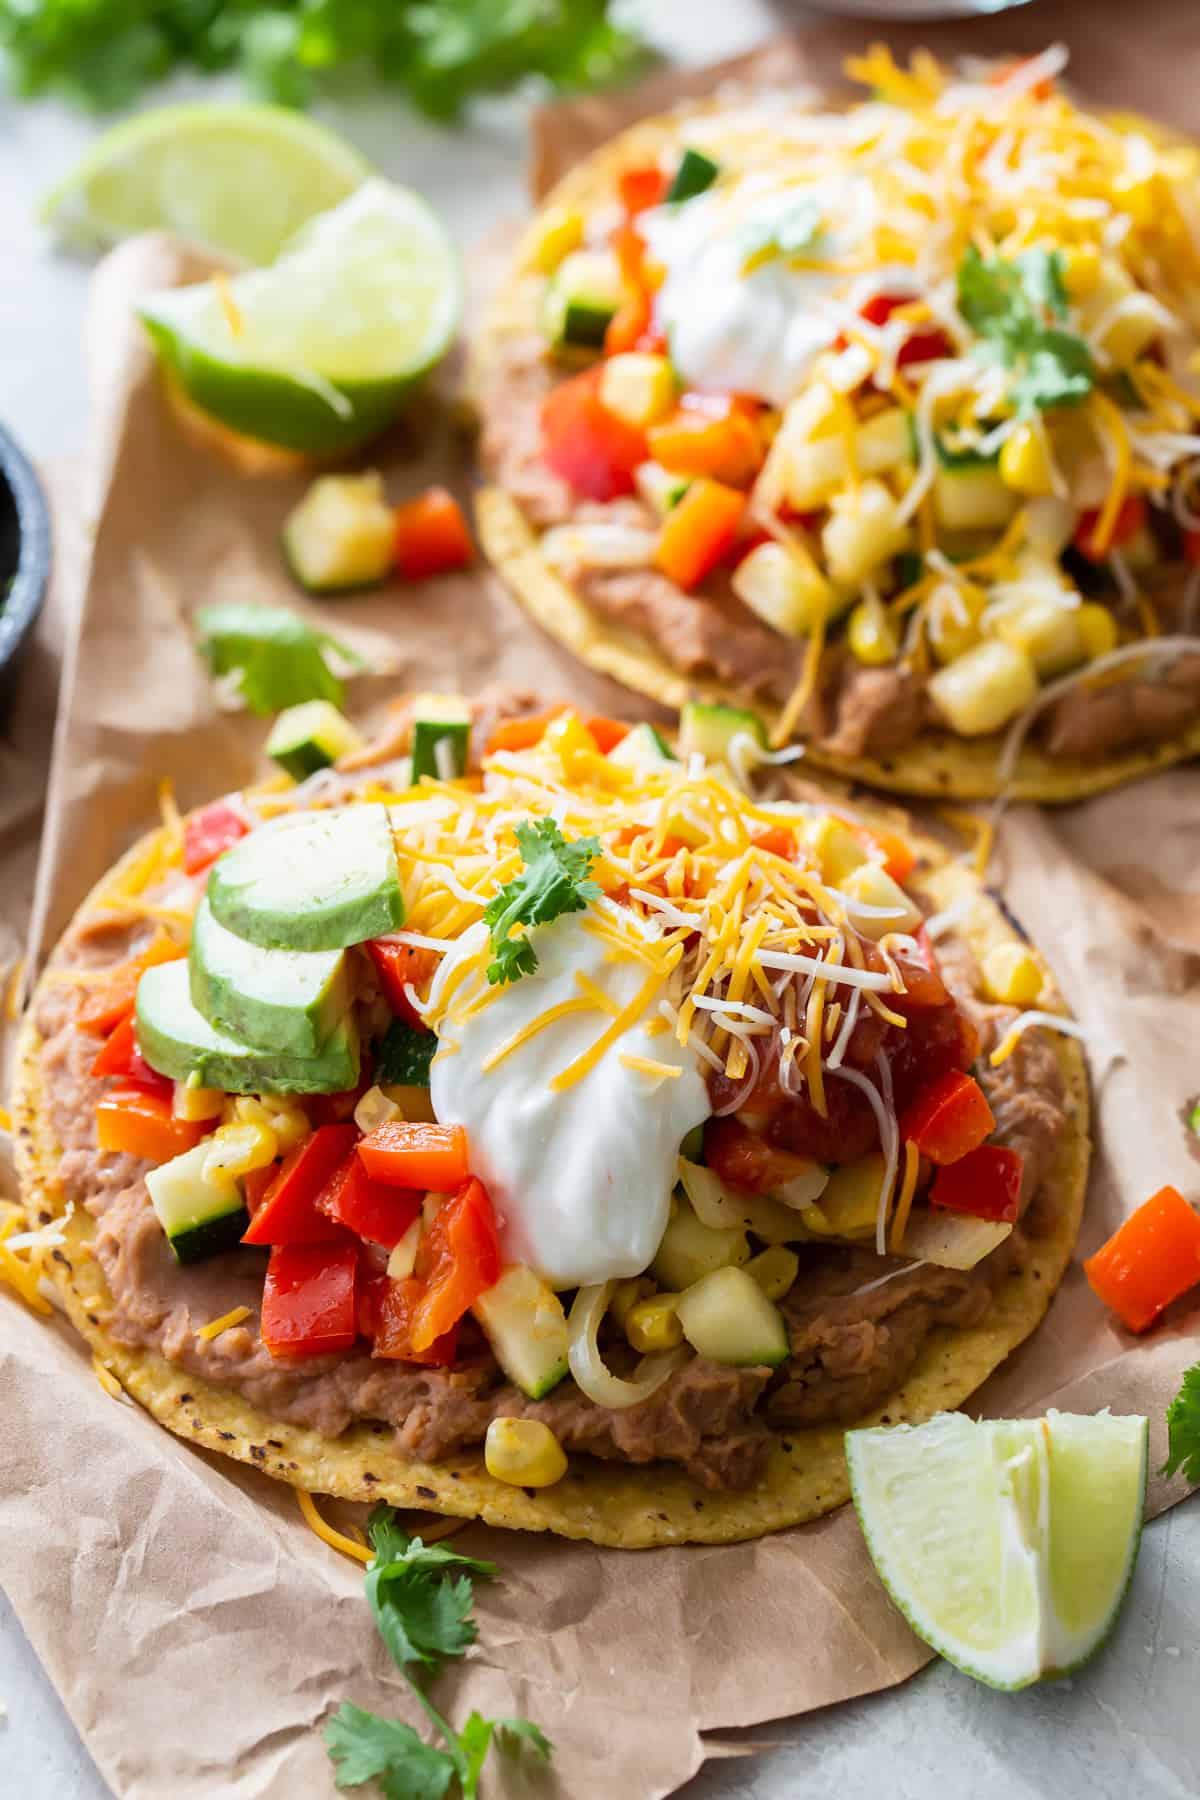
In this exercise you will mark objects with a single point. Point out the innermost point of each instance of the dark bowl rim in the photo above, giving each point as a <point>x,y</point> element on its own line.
<point>29,580</point>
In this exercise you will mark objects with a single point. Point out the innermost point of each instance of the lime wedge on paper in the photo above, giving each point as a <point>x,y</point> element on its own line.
<point>1007,1544</point>
<point>242,179</point>
<point>319,351</point>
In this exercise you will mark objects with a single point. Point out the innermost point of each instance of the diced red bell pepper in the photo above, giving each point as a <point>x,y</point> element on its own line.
<point>400,965</point>
<point>608,733</point>
<point>924,344</point>
<point>112,1000</point>
<point>949,1118</point>
<point>1149,1260</point>
<point>431,536</point>
<point>391,1310</point>
<point>139,1122</point>
<point>698,531</point>
<point>928,953</point>
<point>642,188</point>
<point>208,833</point>
<point>121,1056</point>
<point>1131,516</point>
<point>986,1183</point>
<point>256,1185</point>
<point>428,1157</point>
<point>288,1213</point>
<point>338,1109</point>
<point>309,1298</point>
<point>899,857</point>
<point>594,450</point>
<point>776,840</point>
<point>744,1160</point>
<point>1191,548</point>
<point>370,1209</point>
<point>457,1260</point>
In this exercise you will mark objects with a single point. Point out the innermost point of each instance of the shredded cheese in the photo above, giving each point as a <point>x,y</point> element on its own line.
<point>977,827</point>
<point>908,1187</point>
<point>226,1322</point>
<point>646,1065</point>
<point>1023,1022</point>
<point>107,1380</point>
<point>337,1540</point>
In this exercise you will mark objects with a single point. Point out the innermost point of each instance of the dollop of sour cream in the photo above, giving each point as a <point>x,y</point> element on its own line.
<point>759,332</point>
<point>580,1178</point>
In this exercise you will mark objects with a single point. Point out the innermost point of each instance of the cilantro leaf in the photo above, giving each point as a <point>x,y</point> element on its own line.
<point>1183,1429</point>
<point>510,1737</point>
<point>391,1543</point>
<point>790,233</point>
<point>513,1734</point>
<point>279,660</point>
<point>1010,305</point>
<point>554,881</point>
<point>364,1747</point>
<point>421,1616</point>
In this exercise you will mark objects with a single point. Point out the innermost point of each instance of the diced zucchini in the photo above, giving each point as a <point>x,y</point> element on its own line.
<point>972,499</point>
<point>1046,628</point>
<point>984,689</point>
<point>874,887</point>
<point>310,737</point>
<point>524,1323</point>
<point>864,530</point>
<point>775,1270</point>
<point>582,298</point>
<point>342,534</point>
<point>709,730</point>
<point>692,1147</point>
<point>638,387</point>
<point>441,736</point>
<point>787,591</point>
<point>404,1056</point>
<point>727,1317</point>
<point>723,1210</point>
<point>642,749</point>
<point>201,1213</point>
<point>660,488</point>
<point>850,1203</point>
<point>807,472</point>
<point>689,1250</point>
<point>695,173</point>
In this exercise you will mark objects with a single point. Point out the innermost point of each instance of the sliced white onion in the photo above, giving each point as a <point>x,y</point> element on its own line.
<point>592,1375</point>
<point>599,546</point>
<point>837,974</point>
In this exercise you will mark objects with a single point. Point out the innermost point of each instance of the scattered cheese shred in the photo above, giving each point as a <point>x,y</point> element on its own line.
<point>977,828</point>
<point>646,1065</point>
<point>908,1187</point>
<point>107,1380</point>
<point>21,1269</point>
<point>215,1327</point>
<point>337,1540</point>
<point>12,994</point>
<point>1023,1022</point>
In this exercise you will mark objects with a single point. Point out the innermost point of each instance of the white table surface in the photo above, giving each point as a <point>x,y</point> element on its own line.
<point>1128,1725</point>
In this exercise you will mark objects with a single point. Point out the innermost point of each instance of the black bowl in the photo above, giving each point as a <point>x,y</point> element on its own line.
<point>24,556</point>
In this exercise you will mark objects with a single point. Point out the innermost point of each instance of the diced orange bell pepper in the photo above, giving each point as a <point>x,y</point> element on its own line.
<point>899,857</point>
<point>431,536</point>
<point>417,1156</point>
<point>608,733</point>
<point>642,188</point>
<point>1131,516</point>
<point>390,1312</point>
<point>701,437</point>
<point>949,1118</point>
<point>523,734</point>
<point>1149,1260</point>
<point>113,1000</point>
<point>698,531</point>
<point>458,1259</point>
<point>140,1123</point>
<point>629,324</point>
<point>777,841</point>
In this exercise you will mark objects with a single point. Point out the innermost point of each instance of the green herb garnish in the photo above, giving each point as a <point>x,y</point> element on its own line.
<point>554,881</point>
<point>278,659</point>
<point>791,233</point>
<point>1183,1429</point>
<point>1011,305</point>
<point>421,1595</point>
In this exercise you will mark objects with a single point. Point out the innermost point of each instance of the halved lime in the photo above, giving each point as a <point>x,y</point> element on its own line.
<point>1007,1544</point>
<point>242,179</point>
<point>319,351</point>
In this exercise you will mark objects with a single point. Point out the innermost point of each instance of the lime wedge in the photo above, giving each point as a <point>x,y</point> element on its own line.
<point>242,179</point>
<point>1007,1544</point>
<point>319,351</point>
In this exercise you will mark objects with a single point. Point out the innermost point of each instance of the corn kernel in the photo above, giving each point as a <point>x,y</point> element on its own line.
<point>871,635</point>
<point>787,592</point>
<point>626,1296</point>
<point>984,689</point>
<point>653,1324</point>
<point>238,1149</point>
<point>523,1452</point>
<point>863,532</point>
<point>872,884</point>
<point>559,231</point>
<point>1097,629</point>
<point>1081,270</point>
<point>638,387</point>
<point>414,1103</point>
<point>197,1103</point>
<point>952,621</point>
<point>1012,975</point>
<point>375,1109</point>
<point>1025,464</point>
<point>835,848</point>
<point>775,1270</point>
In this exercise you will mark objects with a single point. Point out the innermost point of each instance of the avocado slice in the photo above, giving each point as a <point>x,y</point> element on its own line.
<point>178,1041</point>
<point>290,999</point>
<point>311,881</point>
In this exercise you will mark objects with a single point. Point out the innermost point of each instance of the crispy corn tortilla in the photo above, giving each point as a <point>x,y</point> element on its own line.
<point>939,763</point>
<point>607,1503</point>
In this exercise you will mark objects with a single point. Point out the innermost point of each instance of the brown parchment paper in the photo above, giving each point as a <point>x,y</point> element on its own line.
<point>197,1631</point>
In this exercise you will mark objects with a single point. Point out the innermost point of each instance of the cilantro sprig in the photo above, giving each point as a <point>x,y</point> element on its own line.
<point>1013,305</point>
<point>421,1597</point>
<point>554,881</point>
<point>278,660</point>
<point>1183,1429</point>
<point>792,232</point>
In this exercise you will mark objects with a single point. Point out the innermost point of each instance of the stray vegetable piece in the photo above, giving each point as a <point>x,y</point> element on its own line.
<point>431,536</point>
<point>986,1183</point>
<point>105,1006</point>
<point>949,1118</point>
<point>1150,1260</point>
<point>699,531</point>
<point>139,1122</point>
<point>208,833</point>
<point>524,1452</point>
<point>278,659</point>
<point>288,1212</point>
<point>308,1304</point>
<point>641,188</point>
<point>595,451</point>
<point>432,1158</point>
<point>340,535</point>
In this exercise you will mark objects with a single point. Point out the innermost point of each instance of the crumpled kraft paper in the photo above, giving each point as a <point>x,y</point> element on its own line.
<point>197,1631</point>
